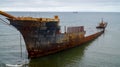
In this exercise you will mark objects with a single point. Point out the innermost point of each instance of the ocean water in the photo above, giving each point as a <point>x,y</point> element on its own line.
<point>102,52</point>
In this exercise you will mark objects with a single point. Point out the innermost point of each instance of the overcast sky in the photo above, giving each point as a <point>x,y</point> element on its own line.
<point>61,5</point>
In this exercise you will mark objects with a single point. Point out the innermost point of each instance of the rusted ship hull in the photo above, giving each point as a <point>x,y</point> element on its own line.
<point>42,36</point>
<point>64,46</point>
<point>32,37</point>
<point>36,48</point>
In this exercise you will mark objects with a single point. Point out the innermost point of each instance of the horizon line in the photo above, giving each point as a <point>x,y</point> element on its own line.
<point>58,11</point>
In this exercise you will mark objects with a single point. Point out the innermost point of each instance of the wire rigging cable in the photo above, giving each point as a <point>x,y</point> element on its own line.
<point>4,22</point>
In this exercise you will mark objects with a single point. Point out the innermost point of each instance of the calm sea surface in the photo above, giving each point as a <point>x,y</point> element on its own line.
<point>102,52</point>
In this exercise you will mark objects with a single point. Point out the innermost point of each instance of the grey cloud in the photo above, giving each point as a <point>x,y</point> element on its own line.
<point>59,4</point>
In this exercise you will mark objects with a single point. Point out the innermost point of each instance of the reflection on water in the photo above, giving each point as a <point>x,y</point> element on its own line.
<point>64,58</point>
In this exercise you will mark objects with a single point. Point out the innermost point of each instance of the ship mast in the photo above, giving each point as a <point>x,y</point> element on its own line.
<point>101,20</point>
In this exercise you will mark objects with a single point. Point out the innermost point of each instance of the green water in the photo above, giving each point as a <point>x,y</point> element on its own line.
<point>101,52</point>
